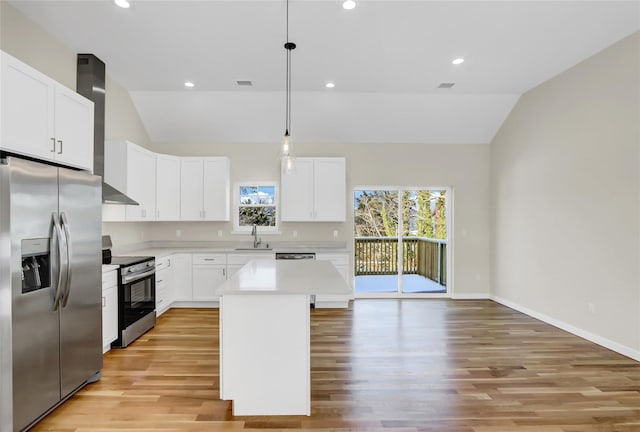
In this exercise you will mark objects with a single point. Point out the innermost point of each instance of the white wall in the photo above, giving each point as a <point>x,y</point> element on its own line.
<point>565,210</point>
<point>464,168</point>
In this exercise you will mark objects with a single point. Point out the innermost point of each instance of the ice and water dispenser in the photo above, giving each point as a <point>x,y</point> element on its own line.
<point>36,264</point>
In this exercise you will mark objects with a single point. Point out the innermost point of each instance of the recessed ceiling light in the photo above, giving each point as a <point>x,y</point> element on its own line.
<point>458,61</point>
<point>189,84</point>
<point>349,4</point>
<point>122,3</point>
<point>330,85</point>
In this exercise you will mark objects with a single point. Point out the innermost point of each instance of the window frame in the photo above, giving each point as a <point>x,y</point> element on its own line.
<point>236,207</point>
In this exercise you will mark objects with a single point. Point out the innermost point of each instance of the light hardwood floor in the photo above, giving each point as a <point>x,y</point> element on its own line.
<point>392,365</point>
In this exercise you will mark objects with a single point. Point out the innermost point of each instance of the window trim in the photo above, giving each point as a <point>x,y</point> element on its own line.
<point>237,229</point>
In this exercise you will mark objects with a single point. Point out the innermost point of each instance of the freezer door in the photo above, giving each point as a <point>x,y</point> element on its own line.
<point>33,199</point>
<point>81,304</point>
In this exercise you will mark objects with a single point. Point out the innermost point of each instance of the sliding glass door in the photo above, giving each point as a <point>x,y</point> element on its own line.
<point>400,241</point>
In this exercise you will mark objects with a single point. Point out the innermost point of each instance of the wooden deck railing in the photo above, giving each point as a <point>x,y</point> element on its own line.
<point>420,255</point>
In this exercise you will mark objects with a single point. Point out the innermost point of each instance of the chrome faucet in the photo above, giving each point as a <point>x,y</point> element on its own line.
<point>256,240</point>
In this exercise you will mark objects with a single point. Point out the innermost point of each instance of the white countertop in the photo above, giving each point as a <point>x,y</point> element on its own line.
<point>163,249</point>
<point>286,277</point>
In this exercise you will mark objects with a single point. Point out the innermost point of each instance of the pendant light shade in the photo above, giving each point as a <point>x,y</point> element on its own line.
<point>286,151</point>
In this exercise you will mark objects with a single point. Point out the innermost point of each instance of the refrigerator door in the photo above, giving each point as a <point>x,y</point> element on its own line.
<point>81,304</point>
<point>33,199</point>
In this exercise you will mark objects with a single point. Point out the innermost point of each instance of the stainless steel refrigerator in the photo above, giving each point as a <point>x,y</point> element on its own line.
<point>50,288</point>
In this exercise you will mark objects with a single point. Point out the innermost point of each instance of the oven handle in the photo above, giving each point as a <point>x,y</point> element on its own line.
<point>133,278</point>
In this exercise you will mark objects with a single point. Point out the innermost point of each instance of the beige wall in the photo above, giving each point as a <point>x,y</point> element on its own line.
<point>464,168</point>
<point>565,186</point>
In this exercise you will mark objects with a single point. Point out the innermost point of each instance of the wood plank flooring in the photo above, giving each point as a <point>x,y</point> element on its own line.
<point>388,365</point>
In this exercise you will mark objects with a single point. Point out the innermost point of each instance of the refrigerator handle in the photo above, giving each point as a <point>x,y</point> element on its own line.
<point>67,242</point>
<point>56,245</point>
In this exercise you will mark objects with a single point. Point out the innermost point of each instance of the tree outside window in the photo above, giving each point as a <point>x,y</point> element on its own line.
<point>256,206</point>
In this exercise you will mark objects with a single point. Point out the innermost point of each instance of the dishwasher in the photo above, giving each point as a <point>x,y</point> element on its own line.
<point>299,256</point>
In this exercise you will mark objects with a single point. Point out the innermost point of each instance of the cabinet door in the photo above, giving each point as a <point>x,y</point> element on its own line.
<point>167,188</point>
<point>73,129</point>
<point>329,190</point>
<point>164,280</point>
<point>182,289</point>
<point>205,281</point>
<point>141,176</point>
<point>233,269</point>
<point>296,192</point>
<point>216,189</point>
<point>109,316</point>
<point>191,183</point>
<point>27,110</point>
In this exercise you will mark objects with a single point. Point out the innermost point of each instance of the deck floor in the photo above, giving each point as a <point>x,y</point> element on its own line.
<point>411,283</point>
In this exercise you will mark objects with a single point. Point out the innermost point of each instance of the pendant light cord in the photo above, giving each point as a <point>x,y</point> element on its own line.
<point>288,46</point>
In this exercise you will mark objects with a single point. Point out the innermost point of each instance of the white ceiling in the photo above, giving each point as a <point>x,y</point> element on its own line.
<point>386,57</point>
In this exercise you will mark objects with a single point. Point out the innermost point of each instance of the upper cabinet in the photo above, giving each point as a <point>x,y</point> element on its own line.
<point>167,188</point>
<point>204,188</point>
<point>43,119</point>
<point>132,170</point>
<point>314,191</point>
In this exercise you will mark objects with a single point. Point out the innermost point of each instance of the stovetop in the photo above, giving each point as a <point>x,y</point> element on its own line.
<point>125,261</point>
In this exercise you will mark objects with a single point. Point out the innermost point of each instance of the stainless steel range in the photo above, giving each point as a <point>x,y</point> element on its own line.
<point>136,294</point>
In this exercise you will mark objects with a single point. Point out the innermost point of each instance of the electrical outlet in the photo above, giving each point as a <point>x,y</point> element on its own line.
<point>178,233</point>
<point>219,233</point>
<point>295,233</point>
<point>592,307</point>
<point>335,233</point>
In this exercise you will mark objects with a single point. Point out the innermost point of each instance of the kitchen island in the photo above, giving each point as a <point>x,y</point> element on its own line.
<point>265,366</point>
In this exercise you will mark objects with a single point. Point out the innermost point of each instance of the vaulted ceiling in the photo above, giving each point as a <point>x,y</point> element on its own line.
<point>386,58</point>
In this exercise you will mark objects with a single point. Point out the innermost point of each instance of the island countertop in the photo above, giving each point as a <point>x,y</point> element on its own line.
<point>286,277</point>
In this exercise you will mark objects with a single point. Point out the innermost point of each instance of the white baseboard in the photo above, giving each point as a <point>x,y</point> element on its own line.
<point>471,296</point>
<point>607,343</point>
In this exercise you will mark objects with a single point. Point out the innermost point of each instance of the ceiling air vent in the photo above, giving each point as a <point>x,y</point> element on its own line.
<point>244,83</point>
<point>446,85</point>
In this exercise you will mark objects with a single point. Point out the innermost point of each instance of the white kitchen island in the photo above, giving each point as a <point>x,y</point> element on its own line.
<point>265,366</point>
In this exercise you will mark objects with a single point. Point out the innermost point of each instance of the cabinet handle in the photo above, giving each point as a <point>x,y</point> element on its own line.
<point>158,214</point>
<point>160,301</point>
<point>104,302</point>
<point>159,280</point>
<point>169,261</point>
<point>224,272</point>
<point>144,213</point>
<point>209,259</point>
<point>60,142</point>
<point>53,141</point>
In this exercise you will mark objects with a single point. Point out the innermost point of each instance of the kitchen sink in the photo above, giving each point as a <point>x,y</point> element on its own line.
<point>253,249</point>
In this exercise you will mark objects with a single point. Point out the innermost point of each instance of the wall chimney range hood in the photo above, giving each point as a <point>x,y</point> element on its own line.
<point>91,84</point>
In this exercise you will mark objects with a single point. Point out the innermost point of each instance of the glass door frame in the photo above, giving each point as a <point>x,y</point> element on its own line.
<point>449,255</point>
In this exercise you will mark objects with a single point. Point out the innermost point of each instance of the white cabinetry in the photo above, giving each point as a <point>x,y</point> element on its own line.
<point>167,188</point>
<point>109,308</point>
<point>164,285</point>
<point>182,277</point>
<point>132,170</point>
<point>209,271</point>
<point>204,188</point>
<point>315,191</point>
<point>42,118</point>
<point>341,263</point>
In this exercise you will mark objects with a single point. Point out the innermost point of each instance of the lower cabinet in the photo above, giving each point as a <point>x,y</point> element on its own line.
<point>209,271</point>
<point>182,277</point>
<point>109,309</point>
<point>341,263</point>
<point>164,285</point>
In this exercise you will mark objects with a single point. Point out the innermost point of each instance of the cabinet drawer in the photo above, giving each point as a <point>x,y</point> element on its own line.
<point>109,279</point>
<point>208,259</point>
<point>241,259</point>
<point>163,263</point>
<point>336,259</point>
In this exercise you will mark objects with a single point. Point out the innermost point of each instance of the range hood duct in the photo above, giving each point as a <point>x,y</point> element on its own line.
<point>91,84</point>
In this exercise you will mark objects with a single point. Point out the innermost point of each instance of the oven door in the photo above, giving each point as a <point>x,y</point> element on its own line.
<point>138,297</point>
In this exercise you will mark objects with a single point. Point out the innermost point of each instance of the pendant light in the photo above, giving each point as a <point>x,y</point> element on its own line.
<point>286,152</point>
